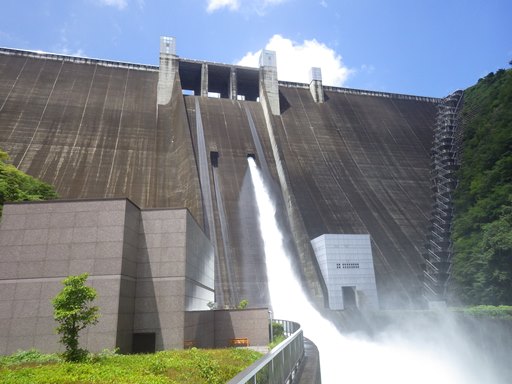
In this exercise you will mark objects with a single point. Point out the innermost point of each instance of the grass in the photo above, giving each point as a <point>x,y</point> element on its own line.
<point>277,340</point>
<point>488,311</point>
<point>180,366</point>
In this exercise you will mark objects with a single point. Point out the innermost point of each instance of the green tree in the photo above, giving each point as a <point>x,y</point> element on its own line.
<point>16,185</point>
<point>243,304</point>
<point>73,311</point>
<point>496,249</point>
<point>482,231</point>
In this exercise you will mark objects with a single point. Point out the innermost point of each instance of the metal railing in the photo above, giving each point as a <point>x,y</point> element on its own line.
<point>444,162</point>
<point>77,59</point>
<point>290,84</point>
<point>281,364</point>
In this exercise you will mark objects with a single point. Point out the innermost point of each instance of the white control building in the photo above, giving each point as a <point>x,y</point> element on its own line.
<point>346,263</point>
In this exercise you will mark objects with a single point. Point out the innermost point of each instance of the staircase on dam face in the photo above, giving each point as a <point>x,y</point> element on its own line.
<point>445,160</point>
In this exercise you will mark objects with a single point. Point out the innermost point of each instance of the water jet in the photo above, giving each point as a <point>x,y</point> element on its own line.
<point>400,356</point>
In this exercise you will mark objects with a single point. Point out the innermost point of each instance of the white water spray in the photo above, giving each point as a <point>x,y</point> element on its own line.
<point>347,359</point>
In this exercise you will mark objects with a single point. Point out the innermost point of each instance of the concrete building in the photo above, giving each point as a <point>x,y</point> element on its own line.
<point>148,266</point>
<point>346,263</point>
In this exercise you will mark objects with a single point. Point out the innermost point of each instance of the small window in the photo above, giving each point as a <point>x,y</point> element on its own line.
<point>214,158</point>
<point>338,265</point>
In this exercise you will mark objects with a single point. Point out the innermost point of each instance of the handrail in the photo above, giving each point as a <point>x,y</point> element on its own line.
<point>281,364</point>
<point>291,84</point>
<point>77,59</point>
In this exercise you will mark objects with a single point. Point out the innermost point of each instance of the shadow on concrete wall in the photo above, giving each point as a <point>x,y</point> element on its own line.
<point>147,330</point>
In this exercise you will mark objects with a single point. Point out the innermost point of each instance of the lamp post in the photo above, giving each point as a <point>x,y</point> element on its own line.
<point>271,328</point>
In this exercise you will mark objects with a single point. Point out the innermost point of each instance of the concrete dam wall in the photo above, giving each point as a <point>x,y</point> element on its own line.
<point>360,164</point>
<point>357,163</point>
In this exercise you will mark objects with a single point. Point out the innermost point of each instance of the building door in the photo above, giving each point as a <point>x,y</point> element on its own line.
<point>143,342</point>
<point>349,297</point>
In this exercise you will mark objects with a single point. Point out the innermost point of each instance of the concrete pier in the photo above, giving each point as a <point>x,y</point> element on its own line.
<point>232,84</point>
<point>269,83</point>
<point>167,69</point>
<point>204,80</point>
<point>315,84</point>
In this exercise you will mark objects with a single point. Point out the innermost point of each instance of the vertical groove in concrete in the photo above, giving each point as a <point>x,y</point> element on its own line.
<point>109,188</point>
<point>206,192</point>
<point>308,266</point>
<point>224,234</point>
<point>257,142</point>
<point>227,131</point>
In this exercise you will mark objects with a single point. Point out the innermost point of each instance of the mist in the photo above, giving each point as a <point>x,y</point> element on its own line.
<point>410,349</point>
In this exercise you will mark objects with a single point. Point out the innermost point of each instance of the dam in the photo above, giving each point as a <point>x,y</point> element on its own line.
<point>177,135</point>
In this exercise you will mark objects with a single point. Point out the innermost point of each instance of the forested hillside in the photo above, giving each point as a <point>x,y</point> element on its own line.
<point>482,263</point>
<point>16,185</point>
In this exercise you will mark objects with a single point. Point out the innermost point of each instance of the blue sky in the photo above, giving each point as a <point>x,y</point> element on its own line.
<point>429,47</point>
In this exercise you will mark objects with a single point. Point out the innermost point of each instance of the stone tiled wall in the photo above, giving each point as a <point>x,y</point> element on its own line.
<point>200,329</point>
<point>42,243</point>
<point>170,274</point>
<point>244,323</point>
<point>199,269</point>
<point>128,277</point>
<point>159,303</point>
<point>216,329</point>
<point>147,267</point>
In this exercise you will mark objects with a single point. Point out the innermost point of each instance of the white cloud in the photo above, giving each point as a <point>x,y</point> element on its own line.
<point>271,2</point>
<point>62,47</point>
<point>119,4</point>
<point>368,68</point>
<point>258,6</point>
<point>214,5</point>
<point>78,52</point>
<point>294,61</point>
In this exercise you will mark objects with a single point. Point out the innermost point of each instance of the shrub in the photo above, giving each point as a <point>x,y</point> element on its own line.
<point>496,312</point>
<point>16,185</point>
<point>30,356</point>
<point>73,312</point>
<point>277,329</point>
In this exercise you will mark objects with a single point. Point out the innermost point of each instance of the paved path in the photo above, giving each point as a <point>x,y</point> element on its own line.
<point>310,369</point>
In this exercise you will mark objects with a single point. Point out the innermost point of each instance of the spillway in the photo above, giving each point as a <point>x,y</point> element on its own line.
<point>400,359</point>
<point>227,133</point>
